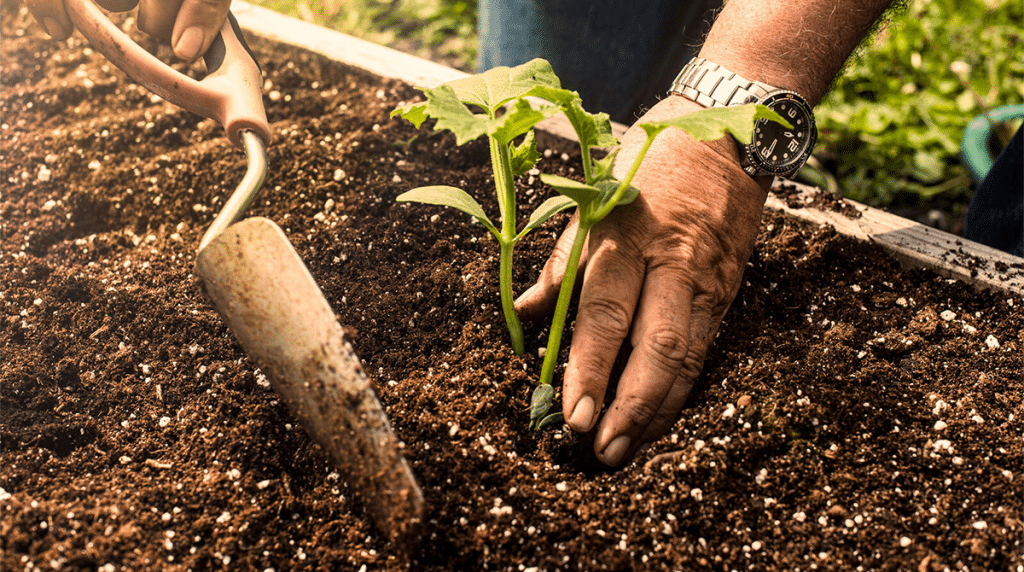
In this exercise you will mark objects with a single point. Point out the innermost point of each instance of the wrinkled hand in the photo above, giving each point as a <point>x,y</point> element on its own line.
<point>190,26</point>
<point>662,271</point>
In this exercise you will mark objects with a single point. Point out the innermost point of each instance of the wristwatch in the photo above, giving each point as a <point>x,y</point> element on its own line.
<point>774,150</point>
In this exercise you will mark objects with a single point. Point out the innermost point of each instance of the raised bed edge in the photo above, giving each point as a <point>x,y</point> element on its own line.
<point>916,244</point>
<point>912,242</point>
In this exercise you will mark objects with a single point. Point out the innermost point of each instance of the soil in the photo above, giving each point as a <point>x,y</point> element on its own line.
<point>852,415</point>
<point>793,196</point>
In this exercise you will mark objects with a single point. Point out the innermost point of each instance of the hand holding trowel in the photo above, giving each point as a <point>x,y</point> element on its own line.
<point>261,287</point>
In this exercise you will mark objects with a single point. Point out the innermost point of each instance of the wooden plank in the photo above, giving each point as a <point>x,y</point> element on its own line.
<point>912,242</point>
<point>377,59</point>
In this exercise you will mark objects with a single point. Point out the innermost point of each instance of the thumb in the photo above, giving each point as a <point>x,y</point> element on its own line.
<point>197,25</point>
<point>540,299</point>
<point>53,17</point>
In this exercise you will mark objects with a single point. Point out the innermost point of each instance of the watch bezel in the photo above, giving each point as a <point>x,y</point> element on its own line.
<point>754,164</point>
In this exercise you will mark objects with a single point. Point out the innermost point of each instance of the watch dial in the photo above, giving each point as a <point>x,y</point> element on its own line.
<point>779,149</point>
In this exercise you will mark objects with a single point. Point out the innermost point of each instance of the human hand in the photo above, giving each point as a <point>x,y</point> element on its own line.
<point>662,270</point>
<point>190,26</point>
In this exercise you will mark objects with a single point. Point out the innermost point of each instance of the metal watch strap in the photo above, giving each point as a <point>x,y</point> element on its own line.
<point>711,85</point>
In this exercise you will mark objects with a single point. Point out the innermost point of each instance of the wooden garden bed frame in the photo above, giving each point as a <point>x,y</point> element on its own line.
<point>913,243</point>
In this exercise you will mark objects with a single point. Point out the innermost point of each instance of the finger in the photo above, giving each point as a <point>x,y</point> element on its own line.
<point>197,25</point>
<point>704,325</point>
<point>671,407</point>
<point>611,287</point>
<point>661,341</point>
<point>539,300</point>
<point>52,16</point>
<point>156,17</point>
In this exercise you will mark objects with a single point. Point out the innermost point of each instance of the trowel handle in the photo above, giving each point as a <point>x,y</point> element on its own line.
<point>231,93</point>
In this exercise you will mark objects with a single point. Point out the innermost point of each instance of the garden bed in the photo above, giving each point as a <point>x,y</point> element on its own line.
<point>852,413</point>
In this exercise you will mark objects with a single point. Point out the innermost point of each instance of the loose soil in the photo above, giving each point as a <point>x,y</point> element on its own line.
<point>853,415</point>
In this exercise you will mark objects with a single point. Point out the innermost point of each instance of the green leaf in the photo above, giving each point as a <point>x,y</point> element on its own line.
<point>714,122</point>
<point>553,419</point>
<point>449,197</point>
<point>518,120</point>
<point>415,113</point>
<point>603,167</point>
<point>556,95</point>
<point>582,193</point>
<point>497,86</point>
<point>448,103</point>
<point>546,210</point>
<point>590,213</point>
<point>524,156</point>
<point>593,129</point>
<point>608,188</point>
<point>540,402</point>
<point>451,114</point>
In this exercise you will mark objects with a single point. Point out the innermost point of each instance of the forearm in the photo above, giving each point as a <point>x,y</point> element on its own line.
<point>791,44</point>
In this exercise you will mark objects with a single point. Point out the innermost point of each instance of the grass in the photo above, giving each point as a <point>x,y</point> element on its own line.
<point>890,129</point>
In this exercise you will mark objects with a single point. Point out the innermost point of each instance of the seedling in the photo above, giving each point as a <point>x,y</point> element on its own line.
<point>505,115</point>
<point>507,89</point>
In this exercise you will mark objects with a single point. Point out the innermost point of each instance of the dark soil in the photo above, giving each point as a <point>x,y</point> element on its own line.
<point>853,415</point>
<point>795,199</point>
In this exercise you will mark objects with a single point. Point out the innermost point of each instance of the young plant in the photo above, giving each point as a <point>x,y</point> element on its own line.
<point>504,115</point>
<point>501,94</point>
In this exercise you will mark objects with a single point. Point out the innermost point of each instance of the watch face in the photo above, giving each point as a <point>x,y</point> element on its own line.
<point>777,149</point>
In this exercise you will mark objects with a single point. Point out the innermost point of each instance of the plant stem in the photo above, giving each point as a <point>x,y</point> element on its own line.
<point>588,168</point>
<point>500,162</point>
<point>625,182</point>
<point>515,328</point>
<point>504,185</point>
<point>547,371</point>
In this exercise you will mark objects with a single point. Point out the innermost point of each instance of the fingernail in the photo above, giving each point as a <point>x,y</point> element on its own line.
<point>53,28</point>
<point>582,418</point>
<point>615,451</point>
<point>190,43</point>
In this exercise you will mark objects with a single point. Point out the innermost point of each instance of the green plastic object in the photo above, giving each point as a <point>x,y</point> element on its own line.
<point>974,145</point>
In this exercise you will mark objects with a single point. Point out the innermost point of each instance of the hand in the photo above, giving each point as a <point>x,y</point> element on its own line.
<point>662,270</point>
<point>188,25</point>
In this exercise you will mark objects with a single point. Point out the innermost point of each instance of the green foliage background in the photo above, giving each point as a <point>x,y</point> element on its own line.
<point>890,129</point>
<point>894,120</point>
<point>440,30</point>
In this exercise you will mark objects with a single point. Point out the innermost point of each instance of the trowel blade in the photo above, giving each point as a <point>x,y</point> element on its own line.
<point>268,298</point>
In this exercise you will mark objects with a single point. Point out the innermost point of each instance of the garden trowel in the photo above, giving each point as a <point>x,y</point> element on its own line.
<point>263,290</point>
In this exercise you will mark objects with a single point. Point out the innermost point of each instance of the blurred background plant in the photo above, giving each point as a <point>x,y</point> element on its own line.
<point>439,30</point>
<point>890,129</point>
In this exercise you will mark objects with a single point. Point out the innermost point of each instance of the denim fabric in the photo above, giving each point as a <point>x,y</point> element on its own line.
<point>995,216</point>
<point>620,55</point>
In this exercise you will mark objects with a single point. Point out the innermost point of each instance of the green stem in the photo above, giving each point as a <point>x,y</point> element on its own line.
<point>588,169</point>
<point>505,187</point>
<point>547,371</point>
<point>515,328</point>
<point>599,215</point>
